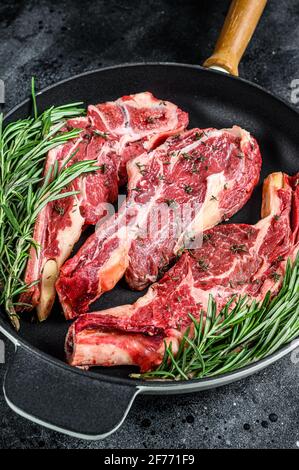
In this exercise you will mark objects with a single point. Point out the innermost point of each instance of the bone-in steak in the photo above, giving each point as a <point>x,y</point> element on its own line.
<point>234,259</point>
<point>189,184</point>
<point>112,133</point>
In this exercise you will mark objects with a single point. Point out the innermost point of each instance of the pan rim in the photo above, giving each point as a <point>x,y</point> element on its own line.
<point>154,385</point>
<point>200,68</point>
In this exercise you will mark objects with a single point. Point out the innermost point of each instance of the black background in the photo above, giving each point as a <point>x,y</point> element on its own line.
<point>54,40</point>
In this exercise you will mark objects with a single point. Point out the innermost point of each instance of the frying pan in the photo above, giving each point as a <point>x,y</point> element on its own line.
<point>38,384</point>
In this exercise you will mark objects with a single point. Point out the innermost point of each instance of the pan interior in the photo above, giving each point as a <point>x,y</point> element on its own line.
<point>212,100</point>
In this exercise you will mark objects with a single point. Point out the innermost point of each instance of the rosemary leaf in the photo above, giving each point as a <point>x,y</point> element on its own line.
<point>24,191</point>
<point>243,332</point>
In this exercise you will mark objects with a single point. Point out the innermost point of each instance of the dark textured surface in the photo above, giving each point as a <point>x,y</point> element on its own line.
<point>54,40</point>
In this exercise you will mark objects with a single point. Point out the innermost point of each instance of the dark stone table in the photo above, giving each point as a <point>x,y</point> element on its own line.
<point>54,40</point>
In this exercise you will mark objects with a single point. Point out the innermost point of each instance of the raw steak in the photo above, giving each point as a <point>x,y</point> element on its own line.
<point>189,184</point>
<point>112,134</point>
<point>234,259</point>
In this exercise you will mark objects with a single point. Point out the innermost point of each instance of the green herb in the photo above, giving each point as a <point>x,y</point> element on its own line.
<point>103,168</point>
<point>188,189</point>
<point>275,276</point>
<point>276,217</point>
<point>104,135</point>
<point>33,97</point>
<point>141,167</point>
<point>187,156</point>
<point>206,237</point>
<point>200,135</point>
<point>169,202</point>
<point>180,251</point>
<point>150,120</point>
<point>213,198</point>
<point>59,209</point>
<point>203,264</point>
<point>239,248</point>
<point>24,190</point>
<point>244,332</point>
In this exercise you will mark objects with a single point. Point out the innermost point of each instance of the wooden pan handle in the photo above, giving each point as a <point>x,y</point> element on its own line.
<point>240,23</point>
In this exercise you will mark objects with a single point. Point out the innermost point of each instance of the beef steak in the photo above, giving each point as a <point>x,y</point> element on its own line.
<point>234,259</point>
<point>187,185</point>
<point>112,133</point>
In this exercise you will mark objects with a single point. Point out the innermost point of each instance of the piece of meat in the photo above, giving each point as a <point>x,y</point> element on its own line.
<point>235,259</point>
<point>189,184</point>
<point>112,133</point>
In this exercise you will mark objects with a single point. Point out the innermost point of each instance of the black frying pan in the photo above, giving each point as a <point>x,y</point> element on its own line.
<point>38,384</point>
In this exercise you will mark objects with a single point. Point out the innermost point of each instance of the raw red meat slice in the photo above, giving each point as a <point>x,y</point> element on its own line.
<point>234,259</point>
<point>187,185</point>
<point>112,134</point>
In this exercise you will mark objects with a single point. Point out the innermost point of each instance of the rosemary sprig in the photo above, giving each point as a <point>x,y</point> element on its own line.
<point>24,190</point>
<point>244,332</point>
